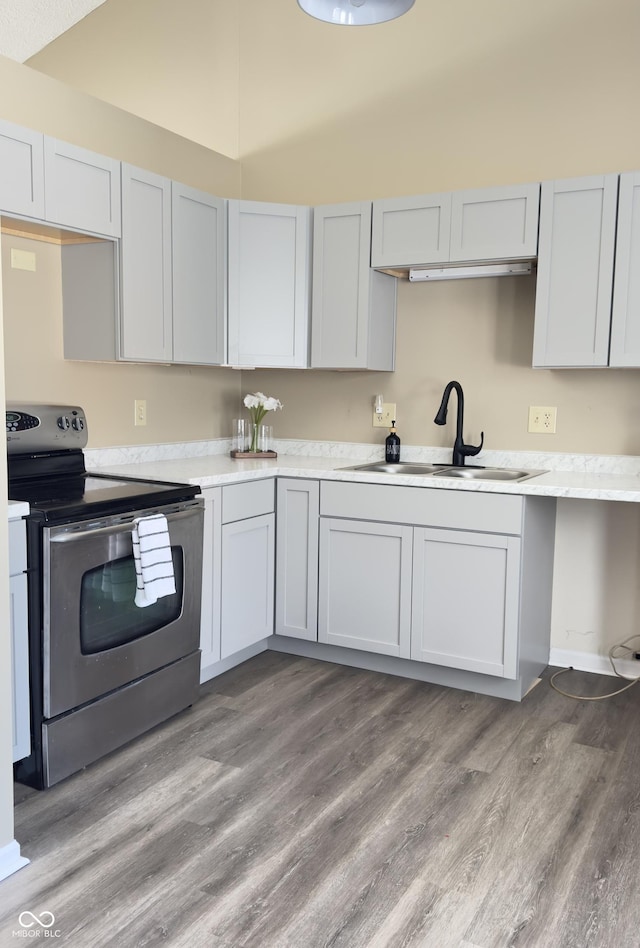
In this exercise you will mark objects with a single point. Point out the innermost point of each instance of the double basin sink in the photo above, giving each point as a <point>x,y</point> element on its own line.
<point>472,472</point>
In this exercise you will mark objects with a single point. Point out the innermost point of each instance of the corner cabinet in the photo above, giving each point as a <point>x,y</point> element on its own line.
<point>488,224</point>
<point>353,309</point>
<point>269,253</point>
<point>298,508</point>
<point>172,272</point>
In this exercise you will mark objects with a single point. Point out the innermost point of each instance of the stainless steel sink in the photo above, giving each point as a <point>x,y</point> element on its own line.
<point>490,473</point>
<point>471,472</point>
<point>398,467</point>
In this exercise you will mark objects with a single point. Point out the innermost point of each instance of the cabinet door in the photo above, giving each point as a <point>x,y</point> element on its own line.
<point>146,317</point>
<point>466,601</point>
<point>353,307</point>
<point>20,661</point>
<point>297,558</point>
<point>575,272</point>
<point>198,254</point>
<point>625,321</point>
<point>411,231</point>
<point>211,579</point>
<point>247,582</point>
<point>495,223</point>
<point>269,264</point>
<point>365,586</point>
<point>22,178</point>
<point>82,189</point>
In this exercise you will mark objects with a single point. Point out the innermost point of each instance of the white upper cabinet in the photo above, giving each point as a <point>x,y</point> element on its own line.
<point>146,318</point>
<point>575,272</point>
<point>464,226</point>
<point>625,321</point>
<point>198,270</point>
<point>353,312</point>
<point>82,189</point>
<point>495,223</point>
<point>268,284</point>
<point>172,271</point>
<point>409,231</point>
<point>22,178</point>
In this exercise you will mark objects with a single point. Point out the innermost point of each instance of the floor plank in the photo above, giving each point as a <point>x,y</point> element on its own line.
<point>302,804</point>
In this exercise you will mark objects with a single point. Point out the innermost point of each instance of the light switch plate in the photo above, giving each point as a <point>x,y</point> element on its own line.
<point>140,412</point>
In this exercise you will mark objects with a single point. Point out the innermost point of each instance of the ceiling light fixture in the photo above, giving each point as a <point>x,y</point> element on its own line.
<point>355,12</point>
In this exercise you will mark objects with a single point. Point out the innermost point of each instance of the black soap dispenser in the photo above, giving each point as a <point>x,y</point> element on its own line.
<point>392,446</point>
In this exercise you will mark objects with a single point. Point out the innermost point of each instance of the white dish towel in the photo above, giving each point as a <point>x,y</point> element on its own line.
<point>152,557</point>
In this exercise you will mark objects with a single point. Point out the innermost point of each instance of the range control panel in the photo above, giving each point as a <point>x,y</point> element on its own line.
<point>33,429</point>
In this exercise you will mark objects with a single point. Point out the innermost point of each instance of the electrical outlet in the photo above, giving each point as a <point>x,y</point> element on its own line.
<point>388,415</point>
<point>139,412</point>
<point>542,419</point>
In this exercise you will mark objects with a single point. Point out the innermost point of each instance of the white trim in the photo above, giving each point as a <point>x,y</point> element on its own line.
<point>590,662</point>
<point>11,860</point>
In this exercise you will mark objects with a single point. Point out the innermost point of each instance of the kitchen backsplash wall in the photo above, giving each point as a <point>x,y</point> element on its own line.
<point>479,332</point>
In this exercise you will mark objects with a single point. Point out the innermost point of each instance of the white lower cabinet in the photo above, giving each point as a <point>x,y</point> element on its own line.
<point>365,586</point>
<point>19,640</point>
<point>466,592</point>
<point>248,565</point>
<point>298,506</point>
<point>456,579</point>
<point>211,579</point>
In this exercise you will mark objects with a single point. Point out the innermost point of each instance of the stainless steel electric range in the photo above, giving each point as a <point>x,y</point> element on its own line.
<point>103,670</point>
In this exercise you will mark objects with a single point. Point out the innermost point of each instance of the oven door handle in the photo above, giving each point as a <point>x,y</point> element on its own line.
<point>72,534</point>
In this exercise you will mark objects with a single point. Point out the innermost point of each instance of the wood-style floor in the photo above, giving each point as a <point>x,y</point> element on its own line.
<point>303,804</point>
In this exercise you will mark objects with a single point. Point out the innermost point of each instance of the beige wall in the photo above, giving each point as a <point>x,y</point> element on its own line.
<point>175,64</point>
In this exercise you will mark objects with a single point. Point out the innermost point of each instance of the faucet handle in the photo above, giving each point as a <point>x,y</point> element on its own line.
<point>470,450</point>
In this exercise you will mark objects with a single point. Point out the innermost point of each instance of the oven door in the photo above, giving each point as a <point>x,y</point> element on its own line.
<point>95,639</point>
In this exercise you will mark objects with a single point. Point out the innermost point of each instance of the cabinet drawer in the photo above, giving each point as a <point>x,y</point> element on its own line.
<point>17,547</point>
<point>457,510</point>
<point>240,501</point>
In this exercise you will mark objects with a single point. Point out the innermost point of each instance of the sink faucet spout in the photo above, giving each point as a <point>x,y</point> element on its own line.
<point>460,449</point>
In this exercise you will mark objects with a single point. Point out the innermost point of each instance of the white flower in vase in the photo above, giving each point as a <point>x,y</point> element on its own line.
<point>259,404</point>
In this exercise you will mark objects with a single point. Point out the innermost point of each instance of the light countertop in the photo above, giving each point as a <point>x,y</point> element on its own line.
<point>217,469</point>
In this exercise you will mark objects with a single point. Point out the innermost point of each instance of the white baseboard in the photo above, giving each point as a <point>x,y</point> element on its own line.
<point>11,860</point>
<point>590,662</point>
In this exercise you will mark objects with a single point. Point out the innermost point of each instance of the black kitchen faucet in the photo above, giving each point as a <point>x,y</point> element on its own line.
<point>460,449</point>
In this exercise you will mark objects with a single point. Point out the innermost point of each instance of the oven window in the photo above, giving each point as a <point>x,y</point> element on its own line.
<point>108,614</point>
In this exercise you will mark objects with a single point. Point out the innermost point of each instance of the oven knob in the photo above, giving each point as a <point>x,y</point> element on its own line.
<point>63,422</point>
<point>77,424</point>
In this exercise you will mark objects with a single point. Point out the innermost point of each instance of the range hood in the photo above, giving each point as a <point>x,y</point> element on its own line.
<point>465,273</point>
